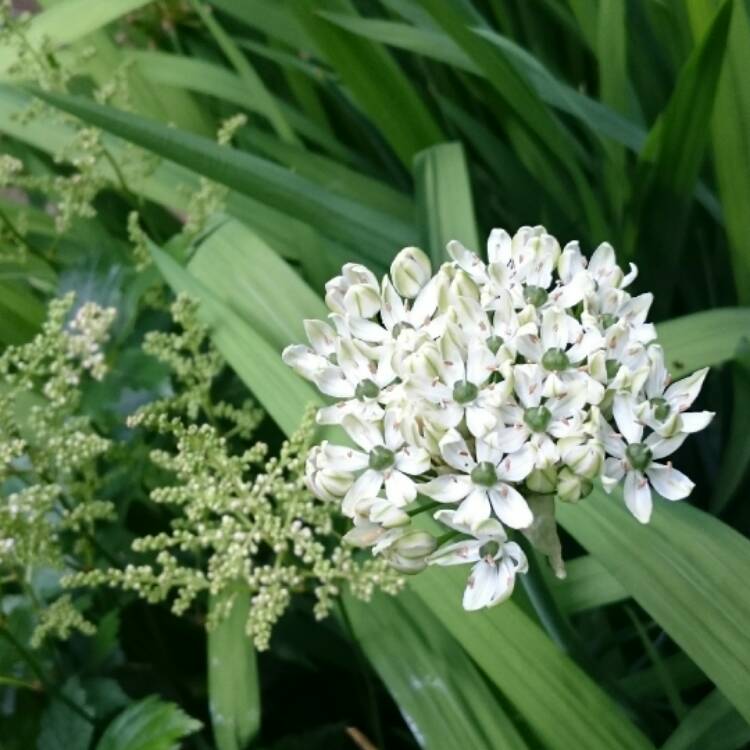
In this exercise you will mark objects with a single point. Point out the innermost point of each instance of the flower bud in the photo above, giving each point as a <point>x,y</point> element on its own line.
<point>363,535</point>
<point>585,459</point>
<point>542,481</point>
<point>463,285</point>
<point>571,487</point>
<point>388,515</point>
<point>415,544</point>
<point>362,301</point>
<point>410,271</point>
<point>323,481</point>
<point>406,565</point>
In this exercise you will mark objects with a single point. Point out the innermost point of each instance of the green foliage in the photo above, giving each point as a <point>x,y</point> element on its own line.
<point>237,153</point>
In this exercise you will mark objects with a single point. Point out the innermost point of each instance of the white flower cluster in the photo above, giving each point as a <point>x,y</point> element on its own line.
<point>485,387</point>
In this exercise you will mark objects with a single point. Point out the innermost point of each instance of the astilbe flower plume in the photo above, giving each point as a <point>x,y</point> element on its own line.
<point>492,389</point>
<point>241,518</point>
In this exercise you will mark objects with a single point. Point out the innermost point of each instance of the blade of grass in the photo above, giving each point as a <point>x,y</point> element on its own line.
<point>374,233</point>
<point>729,134</point>
<point>440,692</point>
<point>671,158</point>
<point>443,195</point>
<point>376,82</point>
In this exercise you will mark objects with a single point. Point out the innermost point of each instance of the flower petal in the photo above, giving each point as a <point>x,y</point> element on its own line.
<point>399,488</point>
<point>343,458</point>
<point>517,466</point>
<point>638,496</point>
<point>481,587</point>
<point>668,482</point>
<point>623,410</point>
<point>511,507</point>
<point>368,484</point>
<point>413,460</point>
<point>474,509</point>
<point>447,488</point>
<point>455,452</point>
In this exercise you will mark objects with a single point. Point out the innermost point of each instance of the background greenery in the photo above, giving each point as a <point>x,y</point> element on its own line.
<point>371,126</point>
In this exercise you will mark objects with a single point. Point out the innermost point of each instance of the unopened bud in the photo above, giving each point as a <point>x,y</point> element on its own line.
<point>542,481</point>
<point>571,487</point>
<point>410,271</point>
<point>406,565</point>
<point>362,301</point>
<point>415,544</point>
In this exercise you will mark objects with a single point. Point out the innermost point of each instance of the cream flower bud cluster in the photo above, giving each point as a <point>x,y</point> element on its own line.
<point>484,387</point>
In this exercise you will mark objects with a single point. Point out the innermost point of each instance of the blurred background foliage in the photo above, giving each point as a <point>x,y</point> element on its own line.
<point>367,126</point>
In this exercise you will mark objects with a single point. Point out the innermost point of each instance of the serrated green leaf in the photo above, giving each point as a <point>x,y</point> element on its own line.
<point>62,728</point>
<point>233,690</point>
<point>149,724</point>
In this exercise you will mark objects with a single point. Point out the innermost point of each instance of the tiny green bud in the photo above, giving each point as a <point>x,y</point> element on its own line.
<point>489,549</point>
<point>381,458</point>
<point>608,320</point>
<point>662,409</point>
<point>484,474</point>
<point>494,343</point>
<point>542,481</point>
<point>537,418</point>
<point>535,295</point>
<point>464,392</point>
<point>366,389</point>
<point>555,360</point>
<point>639,455</point>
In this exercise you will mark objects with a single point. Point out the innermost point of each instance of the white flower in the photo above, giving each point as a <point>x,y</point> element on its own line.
<point>635,462</point>
<point>385,460</point>
<point>359,377</point>
<point>484,486</point>
<point>461,387</point>
<point>497,561</point>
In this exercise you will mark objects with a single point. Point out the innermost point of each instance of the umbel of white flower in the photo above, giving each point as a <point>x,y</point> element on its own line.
<point>490,389</point>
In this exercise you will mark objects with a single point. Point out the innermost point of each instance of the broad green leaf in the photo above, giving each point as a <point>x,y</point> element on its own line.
<point>438,689</point>
<point>281,392</point>
<point>68,21</point>
<point>374,79</point>
<point>672,156</point>
<point>332,175</point>
<point>685,568</point>
<point>729,137</point>
<point>213,80</point>
<point>21,313</point>
<point>233,690</point>
<point>736,456</point>
<point>444,207</point>
<point>374,233</point>
<point>703,339</point>
<point>246,275</point>
<point>588,585</point>
<point>62,727</point>
<point>711,725</point>
<point>149,724</point>
<point>564,707</point>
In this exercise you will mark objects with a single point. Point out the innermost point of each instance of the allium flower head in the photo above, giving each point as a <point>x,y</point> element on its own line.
<point>490,389</point>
